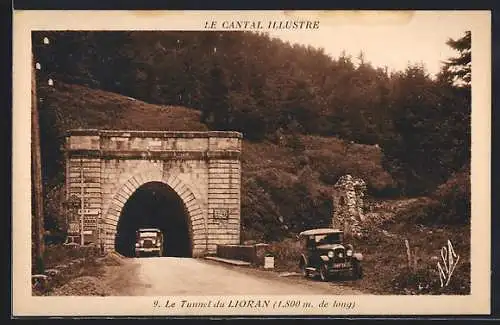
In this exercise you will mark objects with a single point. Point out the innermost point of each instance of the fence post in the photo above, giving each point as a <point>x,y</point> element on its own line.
<point>415,257</point>
<point>408,252</point>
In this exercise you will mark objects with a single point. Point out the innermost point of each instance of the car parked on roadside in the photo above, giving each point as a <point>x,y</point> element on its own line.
<point>148,241</point>
<point>324,254</point>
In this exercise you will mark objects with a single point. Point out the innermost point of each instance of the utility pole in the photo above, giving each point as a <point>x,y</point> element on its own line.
<point>82,203</point>
<point>36,166</point>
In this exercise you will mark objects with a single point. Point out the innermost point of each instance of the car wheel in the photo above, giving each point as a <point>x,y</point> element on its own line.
<point>357,272</point>
<point>360,272</point>
<point>323,273</point>
<point>303,270</point>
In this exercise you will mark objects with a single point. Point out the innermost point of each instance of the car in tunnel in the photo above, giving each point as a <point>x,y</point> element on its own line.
<point>149,241</point>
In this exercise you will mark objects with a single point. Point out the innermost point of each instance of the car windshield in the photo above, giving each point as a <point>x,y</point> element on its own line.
<point>328,238</point>
<point>147,234</point>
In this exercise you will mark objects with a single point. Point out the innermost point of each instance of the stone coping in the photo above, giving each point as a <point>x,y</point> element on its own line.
<point>228,261</point>
<point>152,155</point>
<point>154,134</point>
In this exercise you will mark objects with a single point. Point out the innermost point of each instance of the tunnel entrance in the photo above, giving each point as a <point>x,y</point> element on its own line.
<point>154,205</point>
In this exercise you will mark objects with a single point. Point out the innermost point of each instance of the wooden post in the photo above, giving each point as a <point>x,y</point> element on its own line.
<point>415,258</point>
<point>67,197</point>
<point>36,164</point>
<point>82,203</point>
<point>408,253</point>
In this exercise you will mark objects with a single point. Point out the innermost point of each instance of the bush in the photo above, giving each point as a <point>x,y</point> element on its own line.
<point>286,254</point>
<point>333,158</point>
<point>259,214</point>
<point>60,254</point>
<point>454,197</point>
<point>423,280</point>
<point>54,237</point>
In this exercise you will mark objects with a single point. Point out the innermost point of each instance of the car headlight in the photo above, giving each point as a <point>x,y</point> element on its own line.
<point>330,254</point>
<point>137,245</point>
<point>349,252</point>
<point>157,244</point>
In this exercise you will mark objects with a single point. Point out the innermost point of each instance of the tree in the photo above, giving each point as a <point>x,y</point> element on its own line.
<point>455,84</point>
<point>457,70</point>
<point>413,152</point>
<point>215,112</point>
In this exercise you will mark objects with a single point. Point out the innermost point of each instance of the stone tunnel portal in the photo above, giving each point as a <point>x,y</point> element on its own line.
<point>155,205</point>
<point>119,180</point>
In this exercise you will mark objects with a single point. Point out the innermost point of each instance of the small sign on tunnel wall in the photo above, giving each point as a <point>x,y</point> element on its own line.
<point>154,144</point>
<point>89,211</point>
<point>73,227</point>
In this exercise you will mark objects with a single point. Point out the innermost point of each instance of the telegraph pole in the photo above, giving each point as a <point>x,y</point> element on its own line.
<point>36,165</point>
<point>82,203</point>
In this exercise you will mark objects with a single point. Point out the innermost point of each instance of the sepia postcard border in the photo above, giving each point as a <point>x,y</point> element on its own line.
<point>24,304</point>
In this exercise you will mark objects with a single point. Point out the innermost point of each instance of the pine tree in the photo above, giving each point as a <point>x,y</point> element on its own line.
<point>457,70</point>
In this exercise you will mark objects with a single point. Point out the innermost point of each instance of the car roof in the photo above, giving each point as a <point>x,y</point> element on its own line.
<point>148,229</point>
<point>320,231</point>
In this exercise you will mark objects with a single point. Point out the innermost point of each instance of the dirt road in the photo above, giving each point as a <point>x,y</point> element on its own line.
<point>186,276</point>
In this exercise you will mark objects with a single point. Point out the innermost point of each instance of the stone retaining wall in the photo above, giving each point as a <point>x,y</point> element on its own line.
<point>250,253</point>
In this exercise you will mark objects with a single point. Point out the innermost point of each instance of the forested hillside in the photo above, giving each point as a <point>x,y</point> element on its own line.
<point>307,118</point>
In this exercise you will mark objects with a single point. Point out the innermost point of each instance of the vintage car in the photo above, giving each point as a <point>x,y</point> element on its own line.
<point>325,254</point>
<point>149,241</point>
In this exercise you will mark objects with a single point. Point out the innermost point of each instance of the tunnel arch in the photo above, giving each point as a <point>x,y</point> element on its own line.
<point>194,213</point>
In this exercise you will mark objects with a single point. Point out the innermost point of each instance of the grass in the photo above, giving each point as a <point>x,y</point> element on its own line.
<point>386,263</point>
<point>329,157</point>
<point>55,255</point>
<point>74,106</point>
<point>286,254</point>
<point>62,254</point>
<point>260,156</point>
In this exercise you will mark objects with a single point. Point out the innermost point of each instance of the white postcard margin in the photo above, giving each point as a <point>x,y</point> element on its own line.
<point>24,304</point>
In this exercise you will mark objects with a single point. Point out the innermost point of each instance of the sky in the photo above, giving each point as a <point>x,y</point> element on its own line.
<point>388,39</point>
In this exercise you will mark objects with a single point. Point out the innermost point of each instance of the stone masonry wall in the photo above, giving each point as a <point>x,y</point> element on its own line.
<point>223,202</point>
<point>348,204</point>
<point>202,167</point>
